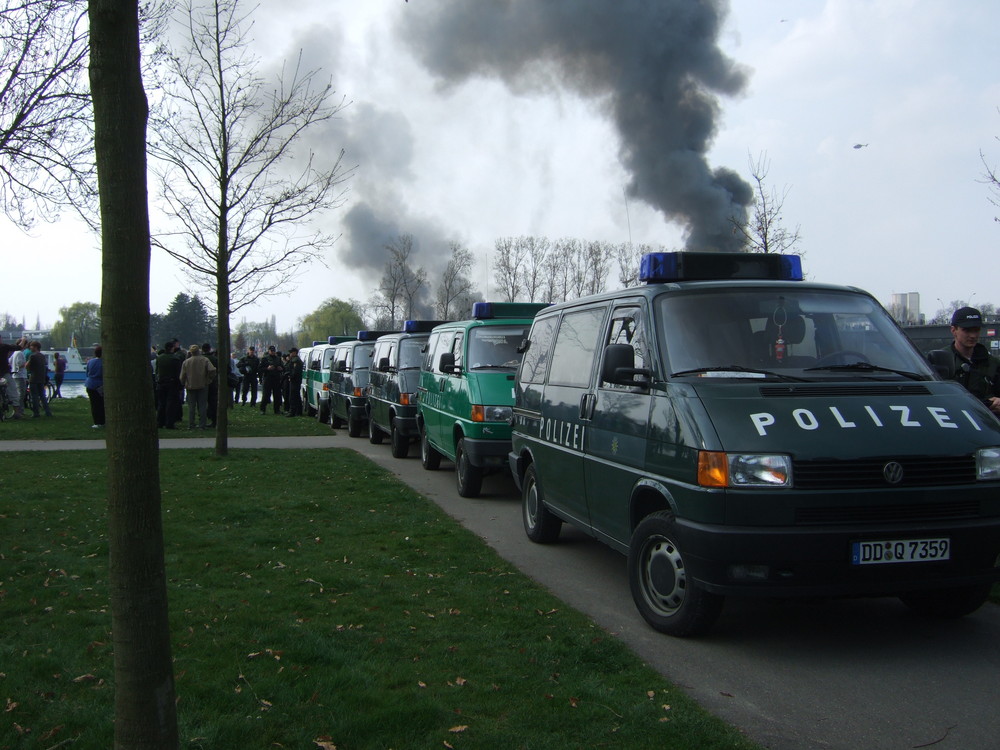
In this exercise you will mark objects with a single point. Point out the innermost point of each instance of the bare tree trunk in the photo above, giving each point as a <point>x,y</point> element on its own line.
<point>145,712</point>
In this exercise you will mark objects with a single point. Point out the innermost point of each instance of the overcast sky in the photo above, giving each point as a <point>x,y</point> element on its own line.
<point>468,124</point>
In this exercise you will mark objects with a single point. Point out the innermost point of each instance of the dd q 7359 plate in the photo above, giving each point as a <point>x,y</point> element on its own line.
<point>900,551</point>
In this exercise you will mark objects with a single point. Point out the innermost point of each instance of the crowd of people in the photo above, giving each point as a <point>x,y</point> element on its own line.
<point>25,371</point>
<point>194,376</point>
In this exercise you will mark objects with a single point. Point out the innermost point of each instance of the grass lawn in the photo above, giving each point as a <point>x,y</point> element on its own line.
<point>71,420</point>
<point>315,602</point>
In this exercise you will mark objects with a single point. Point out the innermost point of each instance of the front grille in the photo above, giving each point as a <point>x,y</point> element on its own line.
<point>867,473</point>
<point>868,514</point>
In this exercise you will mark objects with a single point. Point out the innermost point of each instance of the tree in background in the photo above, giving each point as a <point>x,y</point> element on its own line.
<point>187,319</point>
<point>765,231</point>
<point>223,146</point>
<point>508,276</point>
<point>401,287</point>
<point>455,291</point>
<point>334,317</point>
<point>145,705</point>
<point>46,137</point>
<point>536,253</point>
<point>992,179</point>
<point>80,321</point>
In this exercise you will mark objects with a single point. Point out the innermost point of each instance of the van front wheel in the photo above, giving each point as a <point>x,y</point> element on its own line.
<point>469,477</point>
<point>430,459</point>
<point>354,426</point>
<point>540,524</point>
<point>374,433</point>
<point>666,596</point>
<point>400,442</point>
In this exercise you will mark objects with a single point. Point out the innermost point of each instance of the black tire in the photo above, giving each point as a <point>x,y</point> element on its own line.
<point>336,422</point>
<point>354,426</point>
<point>468,477</point>
<point>319,412</point>
<point>947,604</point>
<point>374,433</point>
<point>400,442</point>
<point>667,598</point>
<point>430,459</point>
<point>540,524</point>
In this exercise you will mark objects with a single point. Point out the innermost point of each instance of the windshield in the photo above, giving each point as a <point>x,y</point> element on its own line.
<point>361,357</point>
<point>410,355</point>
<point>495,347</point>
<point>807,333</point>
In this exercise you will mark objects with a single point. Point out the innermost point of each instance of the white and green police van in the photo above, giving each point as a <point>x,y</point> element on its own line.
<point>466,391</point>
<point>735,430</point>
<point>348,382</point>
<point>392,385</point>
<point>316,361</point>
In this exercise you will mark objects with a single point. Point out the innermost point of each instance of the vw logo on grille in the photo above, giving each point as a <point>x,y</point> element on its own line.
<point>893,472</point>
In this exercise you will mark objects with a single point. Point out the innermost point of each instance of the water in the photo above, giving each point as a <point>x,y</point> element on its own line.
<point>72,390</point>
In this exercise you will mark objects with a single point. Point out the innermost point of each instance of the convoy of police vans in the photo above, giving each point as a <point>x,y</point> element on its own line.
<point>730,428</point>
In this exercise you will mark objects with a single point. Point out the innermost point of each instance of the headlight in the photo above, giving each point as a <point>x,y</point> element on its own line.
<point>716,469</point>
<point>492,413</point>
<point>988,463</point>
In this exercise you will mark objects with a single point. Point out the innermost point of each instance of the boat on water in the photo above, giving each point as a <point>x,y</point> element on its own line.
<point>76,368</point>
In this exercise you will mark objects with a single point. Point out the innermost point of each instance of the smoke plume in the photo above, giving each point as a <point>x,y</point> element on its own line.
<point>652,64</point>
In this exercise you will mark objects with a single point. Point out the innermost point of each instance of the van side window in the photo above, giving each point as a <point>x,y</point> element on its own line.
<point>576,342</point>
<point>627,328</point>
<point>536,359</point>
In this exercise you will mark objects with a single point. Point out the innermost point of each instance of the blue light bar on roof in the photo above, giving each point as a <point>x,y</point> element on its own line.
<point>421,326</point>
<point>490,310</point>
<point>659,268</point>
<point>371,335</point>
<point>337,339</point>
<point>317,343</point>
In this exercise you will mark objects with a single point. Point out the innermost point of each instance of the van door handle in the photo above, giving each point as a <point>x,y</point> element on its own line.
<point>587,403</point>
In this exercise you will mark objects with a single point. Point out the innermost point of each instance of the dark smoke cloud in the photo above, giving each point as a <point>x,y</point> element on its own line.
<point>653,64</point>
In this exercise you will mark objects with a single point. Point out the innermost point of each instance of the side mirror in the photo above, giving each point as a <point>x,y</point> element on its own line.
<point>383,364</point>
<point>341,365</point>
<point>619,367</point>
<point>447,362</point>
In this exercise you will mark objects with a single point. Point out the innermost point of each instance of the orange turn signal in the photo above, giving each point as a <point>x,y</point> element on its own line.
<point>478,413</point>
<point>713,469</point>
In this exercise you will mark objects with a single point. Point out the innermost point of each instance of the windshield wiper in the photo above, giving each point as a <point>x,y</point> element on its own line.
<point>868,367</point>
<point>737,368</point>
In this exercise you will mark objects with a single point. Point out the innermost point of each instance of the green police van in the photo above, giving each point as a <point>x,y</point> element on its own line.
<point>466,390</point>
<point>316,365</point>
<point>735,430</point>
<point>348,383</point>
<point>392,385</point>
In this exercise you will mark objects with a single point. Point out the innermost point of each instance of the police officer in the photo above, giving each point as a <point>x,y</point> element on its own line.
<point>967,361</point>
<point>293,373</point>
<point>167,369</point>
<point>249,366</point>
<point>271,369</point>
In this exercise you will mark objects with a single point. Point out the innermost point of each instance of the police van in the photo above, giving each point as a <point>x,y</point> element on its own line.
<point>467,390</point>
<point>392,385</point>
<point>316,361</point>
<point>735,430</point>
<point>348,383</point>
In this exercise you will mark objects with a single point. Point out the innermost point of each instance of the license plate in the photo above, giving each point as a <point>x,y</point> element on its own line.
<point>900,551</point>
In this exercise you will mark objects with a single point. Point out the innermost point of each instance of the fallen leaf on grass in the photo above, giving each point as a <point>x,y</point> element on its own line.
<point>459,728</point>
<point>324,744</point>
<point>84,678</point>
